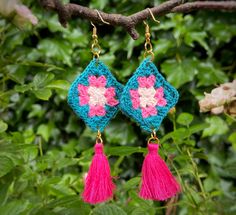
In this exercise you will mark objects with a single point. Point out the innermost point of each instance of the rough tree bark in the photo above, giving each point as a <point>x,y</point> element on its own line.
<point>68,11</point>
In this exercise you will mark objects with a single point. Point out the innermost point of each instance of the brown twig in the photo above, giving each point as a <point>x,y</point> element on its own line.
<point>67,11</point>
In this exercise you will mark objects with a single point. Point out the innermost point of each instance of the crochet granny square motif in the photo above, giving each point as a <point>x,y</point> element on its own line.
<point>148,97</point>
<point>94,95</point>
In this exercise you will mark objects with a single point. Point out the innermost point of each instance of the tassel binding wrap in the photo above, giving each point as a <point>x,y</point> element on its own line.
<point>98,183</point>
<point>157,181</point>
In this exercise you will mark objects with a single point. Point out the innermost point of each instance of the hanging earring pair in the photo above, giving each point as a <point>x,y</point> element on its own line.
<point>95,97</point>
<point>147,98</point>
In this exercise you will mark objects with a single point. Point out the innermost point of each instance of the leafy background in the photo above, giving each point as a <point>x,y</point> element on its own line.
<point>45,150</point>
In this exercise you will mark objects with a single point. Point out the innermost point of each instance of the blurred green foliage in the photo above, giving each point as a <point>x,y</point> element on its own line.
<point>45,150</point>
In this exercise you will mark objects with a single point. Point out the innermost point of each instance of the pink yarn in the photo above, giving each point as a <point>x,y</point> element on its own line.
<point>159,92</point>
<point>83,100</point>
<point>157,181</point>
<point>110,96</point>
<point>97,81</point>
<point>97,96</point>
<point>135,98</point>
<point>147,81</point>
<point>98,183</point>
<point>146,97</point>
<point>161,102</point>
<point>149,111</point>
<point>83,93</point>
<point>97,110</point>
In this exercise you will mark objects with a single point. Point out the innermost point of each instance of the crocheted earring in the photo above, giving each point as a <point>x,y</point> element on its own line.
<point>94,97</point>
<point>147,98</point>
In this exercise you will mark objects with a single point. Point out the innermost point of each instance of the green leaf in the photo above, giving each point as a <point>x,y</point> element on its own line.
<point>108,209</point>
<point>3,126</point>
<point>64,201</point>
<point>210,74</point>
<point>185,119</point>
<point>228,169</point>
<point>209,184</point>
<point>36,111</point>
<point>73,210</point>
<point>42,79</point>
<point>59,49</point>
<point>98,4</point>
<point>217,126</point>
<point>54,26</point>
<point>76,36</point>
<point>14,207</point>
<point>140,211</point>
<point>119,132</point>
<point>168,24</point>
<point>17,73</point>
<point>43,94</point>
<point>220,30</point>
<point>42,210</point>
<point>22,88</point>
<point>163,45</point>
<point>179,73</point>
<point>70,204</point>
<point>232,140</point>
<point>45,131</point>
<point>198,127</point>
<point>199,37</point>
<point>147,205</point>
<point>182,133</point>
<point>14,148</point>
<point>4,187</point>
<point>6,165</point>
<point>132,183</point>
<point>59,85</point>
<point>124,150</point>
<point>65,162</point>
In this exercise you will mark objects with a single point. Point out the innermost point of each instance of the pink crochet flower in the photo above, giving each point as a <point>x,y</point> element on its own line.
<point>97,95</point>
<point>146,97</point>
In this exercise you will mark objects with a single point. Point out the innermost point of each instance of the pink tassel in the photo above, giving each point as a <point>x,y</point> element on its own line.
<point>157,181</point>
<point>98,183</point>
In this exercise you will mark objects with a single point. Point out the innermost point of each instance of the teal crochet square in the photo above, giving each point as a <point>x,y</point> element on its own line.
<point>148,97</point>
<point>94,95</point>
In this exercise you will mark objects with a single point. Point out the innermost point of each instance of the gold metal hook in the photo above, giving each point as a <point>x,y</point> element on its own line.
<point>99,137</point>
<point>148,45</point>
<point>153,17</point>
<point>147,29</point>
<point>100,16</point>
<point>154,133</point>
<point>93,24</point>
<point>153,137</point>
<point>94,29</point>
<point>95,48</point>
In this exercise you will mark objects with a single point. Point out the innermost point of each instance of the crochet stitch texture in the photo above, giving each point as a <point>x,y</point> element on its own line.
<point>148,97</point>
<point>94,95</point>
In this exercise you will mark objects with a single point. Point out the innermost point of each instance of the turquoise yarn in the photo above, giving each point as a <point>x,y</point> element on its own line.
<point>171,96</point>
<point>95,68</point>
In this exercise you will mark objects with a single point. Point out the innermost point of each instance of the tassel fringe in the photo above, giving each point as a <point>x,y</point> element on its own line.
<point>157,181</point>
<point>98,183</point>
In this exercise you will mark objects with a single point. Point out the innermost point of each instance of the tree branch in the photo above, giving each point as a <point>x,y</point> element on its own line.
<point>68,11</point>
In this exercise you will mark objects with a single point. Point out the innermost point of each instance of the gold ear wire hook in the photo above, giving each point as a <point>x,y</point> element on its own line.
<point>153,17</point>
<point>148,45</point>
<point>94,29</point>
<point>147,29</point>
<point>95,48</point>
<point>100,16</point>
